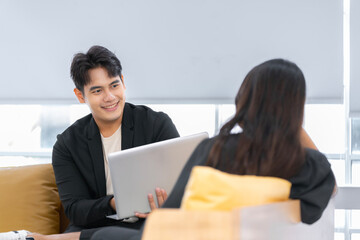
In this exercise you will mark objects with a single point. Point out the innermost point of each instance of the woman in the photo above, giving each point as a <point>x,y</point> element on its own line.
<point>269,110</point>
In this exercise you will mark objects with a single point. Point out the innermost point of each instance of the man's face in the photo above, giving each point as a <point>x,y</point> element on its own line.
<point>105,97</point>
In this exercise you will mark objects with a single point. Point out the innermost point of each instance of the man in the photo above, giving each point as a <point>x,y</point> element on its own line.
<point>80,153</point>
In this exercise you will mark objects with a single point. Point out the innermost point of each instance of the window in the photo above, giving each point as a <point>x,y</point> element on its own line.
<point>28,133</point>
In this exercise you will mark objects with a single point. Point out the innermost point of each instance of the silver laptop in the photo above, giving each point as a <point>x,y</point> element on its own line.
<point>136,172</point>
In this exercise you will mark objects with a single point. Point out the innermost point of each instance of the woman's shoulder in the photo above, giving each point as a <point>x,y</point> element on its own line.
<point>316,162</point>
<point>201,152</point>
<point>205,145</point>
<point>315,168</point>
<point>316,157</point>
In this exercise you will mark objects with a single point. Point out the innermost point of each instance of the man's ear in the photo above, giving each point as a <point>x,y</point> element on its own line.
<point>79,95</point>
<point>122,80</point>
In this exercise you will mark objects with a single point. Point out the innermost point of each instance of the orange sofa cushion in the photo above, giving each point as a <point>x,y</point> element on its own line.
<point>211,189</point>
<point>29,200</point>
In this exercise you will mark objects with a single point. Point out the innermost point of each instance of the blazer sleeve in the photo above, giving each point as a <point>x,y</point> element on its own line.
<point>164,128</point>
<point>81,207</point>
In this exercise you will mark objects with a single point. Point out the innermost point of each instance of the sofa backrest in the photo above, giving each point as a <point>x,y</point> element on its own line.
<point>278,221</point>
<point>281,221</point>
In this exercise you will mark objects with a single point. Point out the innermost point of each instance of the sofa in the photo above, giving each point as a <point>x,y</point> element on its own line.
<point>29,200</point>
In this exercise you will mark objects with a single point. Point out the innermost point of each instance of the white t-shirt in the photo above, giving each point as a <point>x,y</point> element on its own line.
<point>110,144</point>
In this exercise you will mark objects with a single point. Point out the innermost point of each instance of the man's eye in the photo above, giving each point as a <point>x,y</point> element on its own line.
<point>97,91</point>
<point>115,85</point>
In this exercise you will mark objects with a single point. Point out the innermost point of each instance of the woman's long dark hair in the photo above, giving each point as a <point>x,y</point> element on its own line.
<point>269,109</point>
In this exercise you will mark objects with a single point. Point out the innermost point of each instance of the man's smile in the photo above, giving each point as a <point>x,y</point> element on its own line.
<point>111,107</point>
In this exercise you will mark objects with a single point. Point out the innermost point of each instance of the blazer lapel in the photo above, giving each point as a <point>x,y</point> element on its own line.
<point>97,157</point>
<point>127,128</point>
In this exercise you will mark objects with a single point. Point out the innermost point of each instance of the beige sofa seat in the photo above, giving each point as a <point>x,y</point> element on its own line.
<point>274,221</point>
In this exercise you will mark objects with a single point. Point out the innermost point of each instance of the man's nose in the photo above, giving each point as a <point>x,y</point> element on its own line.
<point>109,96</point>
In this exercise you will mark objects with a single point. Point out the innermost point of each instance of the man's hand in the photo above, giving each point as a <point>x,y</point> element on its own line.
<point>63,236</point>
<point>112,204</point>
<point>161,196</point>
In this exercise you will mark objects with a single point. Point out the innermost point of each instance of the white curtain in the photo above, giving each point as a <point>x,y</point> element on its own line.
<point>171,51</point>
<point>355,59</point>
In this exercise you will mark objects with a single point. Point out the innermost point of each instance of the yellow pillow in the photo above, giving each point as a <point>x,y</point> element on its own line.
<point>211,189</point>
<point>29,199</point>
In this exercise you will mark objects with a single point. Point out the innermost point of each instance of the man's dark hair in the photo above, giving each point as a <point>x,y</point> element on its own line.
<point>97,56</point>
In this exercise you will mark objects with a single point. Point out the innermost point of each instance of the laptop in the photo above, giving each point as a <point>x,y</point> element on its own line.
<point>136,172</point>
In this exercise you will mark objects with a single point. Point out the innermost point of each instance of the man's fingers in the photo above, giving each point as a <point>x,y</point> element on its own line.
<point>141,215</point>
<point>151,201</point>
<point>159,196</point>
<point>164,194</point>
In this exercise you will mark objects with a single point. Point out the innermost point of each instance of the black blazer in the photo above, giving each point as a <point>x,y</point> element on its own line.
<point>78,161</point>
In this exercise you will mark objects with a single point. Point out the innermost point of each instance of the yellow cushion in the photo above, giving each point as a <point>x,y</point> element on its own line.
<point>211,189</point>
<point>29,199</point>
